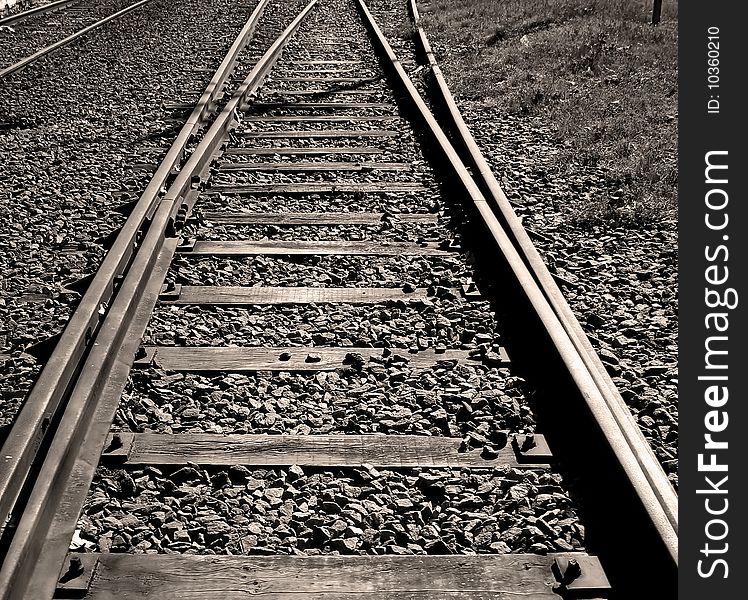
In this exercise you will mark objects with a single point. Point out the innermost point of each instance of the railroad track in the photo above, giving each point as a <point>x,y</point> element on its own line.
<point>297,346</point>
<point>28,36</point>
<point>40,9</point>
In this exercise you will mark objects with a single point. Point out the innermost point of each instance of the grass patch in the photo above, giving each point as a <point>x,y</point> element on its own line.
<point>595,70</point>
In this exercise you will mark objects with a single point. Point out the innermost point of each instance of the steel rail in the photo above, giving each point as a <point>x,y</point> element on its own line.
<point>573,361</point>
<point>71,38</point>
<point>204,152</point>
<point>46,397</point>
<point>37,10</point>
<point>37,551</point>
<point>472,154</point>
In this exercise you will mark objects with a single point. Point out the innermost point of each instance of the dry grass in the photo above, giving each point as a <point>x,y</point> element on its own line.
<point>595,70</point>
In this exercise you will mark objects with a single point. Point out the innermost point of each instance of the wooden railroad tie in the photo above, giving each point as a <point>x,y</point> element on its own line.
<point>297,359</point>
<point>319,451</point>
<point>312,248</point>
<point>254,296</point>
<point>327,79</point>
<point>320,218</point>
<point>320,133</point>
<point>318,188</point>
<point>342,72</point>
<point>306,167</point>
<point>319,118</point>
<point>316,92</point>
<point>322,105</point>
<point>422,577</point>
<point>304,151</point>
<point>325,62</point>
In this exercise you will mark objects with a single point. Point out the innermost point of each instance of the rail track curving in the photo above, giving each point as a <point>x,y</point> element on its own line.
<point>296,370</point>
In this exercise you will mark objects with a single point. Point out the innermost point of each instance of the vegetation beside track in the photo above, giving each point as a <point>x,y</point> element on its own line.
<point>596,71</point>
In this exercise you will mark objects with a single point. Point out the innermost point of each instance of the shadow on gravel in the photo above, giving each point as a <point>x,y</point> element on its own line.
<point>617,526</point>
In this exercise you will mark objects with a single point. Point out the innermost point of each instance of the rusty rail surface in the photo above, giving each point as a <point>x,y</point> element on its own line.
<point>620,431</point>
<point>47,396</point>
<point>38,548</point>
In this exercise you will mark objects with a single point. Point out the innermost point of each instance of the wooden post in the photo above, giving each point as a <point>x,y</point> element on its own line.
<point>656,10</point>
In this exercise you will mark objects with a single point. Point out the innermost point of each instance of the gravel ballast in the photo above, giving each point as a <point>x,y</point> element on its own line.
<point>318,271</point>
<point>387,231</point>
<point>413,324</point>
<point>73,124</point>
<point>391,398</point>
<point>30,35</point>
<point>240,510</point>
<point>403,202</point>
<point>300,511</point>
<point>620,280</point>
